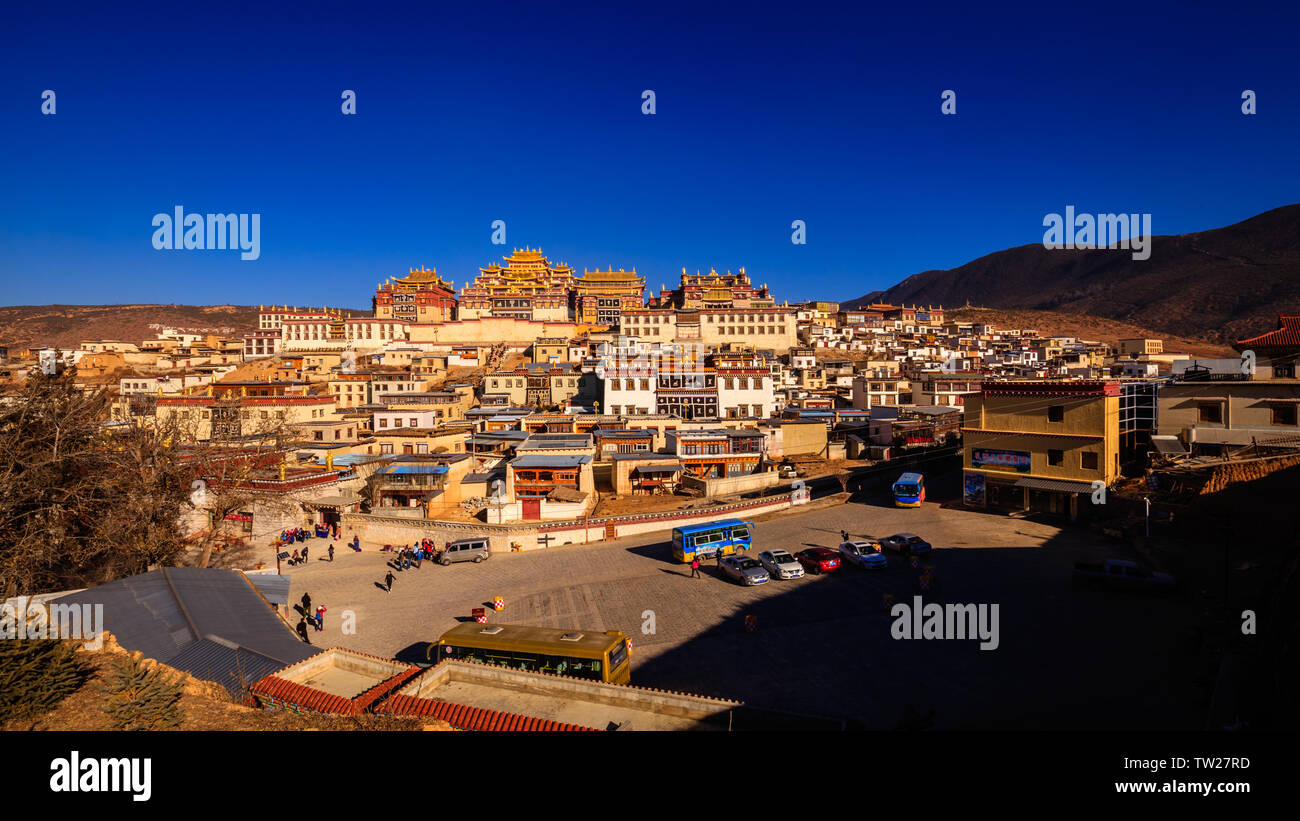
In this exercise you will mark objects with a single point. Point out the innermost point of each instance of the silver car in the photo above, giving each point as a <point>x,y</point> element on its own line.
<point>865,554</point>
<point>743,569</point>
<point>780,564</point>
<point>466,550</point>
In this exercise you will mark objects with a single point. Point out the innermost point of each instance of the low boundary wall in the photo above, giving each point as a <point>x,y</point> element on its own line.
<point>533,536</point>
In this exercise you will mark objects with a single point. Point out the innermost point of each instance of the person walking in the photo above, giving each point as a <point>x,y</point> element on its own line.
<point>306,604</point>
<point>356,543</point>
<point>304,554</point>
<point>302,630</point>
<point>331,552</point>
<point>695,568</point>
<point>718,556</point>
<point>388,580</point>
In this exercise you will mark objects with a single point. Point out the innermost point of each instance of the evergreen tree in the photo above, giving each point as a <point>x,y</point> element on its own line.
<point>36,675</point>
<point>140,697</point>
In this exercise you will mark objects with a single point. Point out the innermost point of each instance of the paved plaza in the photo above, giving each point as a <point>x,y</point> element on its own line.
<point>823,644</point>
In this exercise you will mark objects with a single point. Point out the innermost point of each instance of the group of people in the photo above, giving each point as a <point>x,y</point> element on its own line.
<point>315,618</point>
<point>294,534</point>
<point>409,555</point>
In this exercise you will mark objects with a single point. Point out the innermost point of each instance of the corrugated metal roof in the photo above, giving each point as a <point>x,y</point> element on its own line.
<point>165,613</point>
<point>413,469</point>
<point>229,665</point>
<point>272,586</point>
<point>1058,485</point>
<point>557,461</point>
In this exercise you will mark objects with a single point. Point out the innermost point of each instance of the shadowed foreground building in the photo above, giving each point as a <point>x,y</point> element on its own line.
<point>216,625</point>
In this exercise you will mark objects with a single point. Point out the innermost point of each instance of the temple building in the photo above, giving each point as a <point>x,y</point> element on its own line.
<point>600,297</point>
<point>420,296</point>
<point>714,291</point>
<point>528,286</point>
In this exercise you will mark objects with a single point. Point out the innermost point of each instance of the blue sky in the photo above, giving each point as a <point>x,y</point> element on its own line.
<point>473,112</point>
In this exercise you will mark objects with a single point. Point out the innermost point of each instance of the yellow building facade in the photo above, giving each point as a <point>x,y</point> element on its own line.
<point>1046,446</point>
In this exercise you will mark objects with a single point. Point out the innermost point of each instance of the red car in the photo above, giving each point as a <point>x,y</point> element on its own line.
<point>819,559</point>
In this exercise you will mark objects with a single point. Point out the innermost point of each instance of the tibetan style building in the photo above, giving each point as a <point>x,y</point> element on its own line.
<point>600,297</point>
<point>714,291</point>
<point>528,286</point>
<point>421,296</point>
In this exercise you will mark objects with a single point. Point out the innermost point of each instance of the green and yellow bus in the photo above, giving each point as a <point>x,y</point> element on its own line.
<point>708,539</point>
<point>589,654</point>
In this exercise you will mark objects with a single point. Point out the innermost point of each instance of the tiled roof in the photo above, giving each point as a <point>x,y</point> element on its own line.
<point>309,698</point>
<point>464,717</point>
<point>1287,333</point>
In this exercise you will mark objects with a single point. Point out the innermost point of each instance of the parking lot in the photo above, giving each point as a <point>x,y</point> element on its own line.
<point>823,645</point>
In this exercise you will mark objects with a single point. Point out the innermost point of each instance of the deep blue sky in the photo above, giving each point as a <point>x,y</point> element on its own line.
<point>472,112</point>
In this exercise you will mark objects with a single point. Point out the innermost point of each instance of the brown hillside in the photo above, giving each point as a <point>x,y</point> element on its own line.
<point>1091,328</point>
<point>1219,285</point>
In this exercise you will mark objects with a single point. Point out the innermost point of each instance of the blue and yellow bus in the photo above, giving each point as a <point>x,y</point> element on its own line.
<point>706,540</point>
<point>909,490</point>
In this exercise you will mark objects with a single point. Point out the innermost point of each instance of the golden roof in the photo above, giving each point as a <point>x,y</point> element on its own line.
<point>424,276</point>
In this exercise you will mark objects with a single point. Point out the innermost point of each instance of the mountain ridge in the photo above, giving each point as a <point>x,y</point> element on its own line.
<point>1180,290</point>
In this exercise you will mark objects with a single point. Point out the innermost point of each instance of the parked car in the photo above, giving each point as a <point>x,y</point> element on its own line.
<point>819,559</point>
<point>780,565</point>
<point>908,544</point>
<point>865,554</point>
<point>743,569</point>
<point>465,550</point>
<point>1121,574</point>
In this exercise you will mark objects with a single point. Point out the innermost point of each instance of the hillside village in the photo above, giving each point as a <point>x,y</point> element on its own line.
<point>534,394</point>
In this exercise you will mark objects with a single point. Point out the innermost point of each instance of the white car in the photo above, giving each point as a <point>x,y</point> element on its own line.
<point>780,564</point>
<point>866,555</point>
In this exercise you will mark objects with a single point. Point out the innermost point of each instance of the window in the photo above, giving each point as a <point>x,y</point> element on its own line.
<point>1055,457</point>
<point>1088,460</point>
<point>1284,415</point>
<point>1056,413</point>
<point>1211,413</point>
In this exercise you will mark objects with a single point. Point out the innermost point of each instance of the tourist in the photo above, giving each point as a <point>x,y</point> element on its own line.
<point>695,568</point>
<point>304,554</point>
<point>302,630</point>
<point>306,604</point>
<point>294,559</point>
<point>320,618</point>
<point>331,552</point>
<point>388,580</point>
